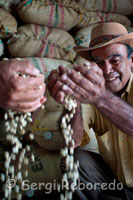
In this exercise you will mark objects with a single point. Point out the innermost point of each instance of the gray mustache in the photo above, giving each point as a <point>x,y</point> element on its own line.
<point>111,75</point>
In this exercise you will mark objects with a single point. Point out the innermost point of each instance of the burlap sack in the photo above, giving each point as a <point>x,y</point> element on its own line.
<point>9,4</point>
<point>43,172</point>
<point>124,7</point>
<point>46,123</point>
<point>8,24</point>
<point>59,14</point>
<point>41,41</point>
<point>100,17</point>
<point>79,60</point>
<point>130,29</point>
<point>82,37</point>
<point>1,48</point>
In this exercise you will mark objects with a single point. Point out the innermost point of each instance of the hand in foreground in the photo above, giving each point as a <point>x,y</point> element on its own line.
<point>55,84</point>
<point>88,86</point>
<point>18,93</point>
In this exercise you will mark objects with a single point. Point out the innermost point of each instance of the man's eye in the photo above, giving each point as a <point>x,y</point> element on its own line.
<point>115,61</point>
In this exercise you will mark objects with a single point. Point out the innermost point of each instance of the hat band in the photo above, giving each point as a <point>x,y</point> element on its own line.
<point>101,39</point>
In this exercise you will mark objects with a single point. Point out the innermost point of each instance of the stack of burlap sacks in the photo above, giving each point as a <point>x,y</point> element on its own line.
<point>39,30</point>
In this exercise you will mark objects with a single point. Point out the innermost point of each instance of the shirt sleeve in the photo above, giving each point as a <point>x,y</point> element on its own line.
<point>88,114</point>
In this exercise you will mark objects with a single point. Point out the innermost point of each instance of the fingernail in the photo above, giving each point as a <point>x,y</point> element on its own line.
<point>37,71</point>
<point>64,77</point>
<point>43,100</point>
<point>87,64</point>
<point>64,87</point>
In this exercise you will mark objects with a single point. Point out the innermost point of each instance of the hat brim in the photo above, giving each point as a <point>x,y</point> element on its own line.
<point>83,51</point>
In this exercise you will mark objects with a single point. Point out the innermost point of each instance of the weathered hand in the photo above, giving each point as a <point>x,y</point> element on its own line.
<point>18,93</point>
<point>55,84</point>
<point>86,87</point>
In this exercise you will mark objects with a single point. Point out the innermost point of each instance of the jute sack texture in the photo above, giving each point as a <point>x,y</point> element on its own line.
<point>79,60</point>
<point>9,5</point>
<point>33,40</point>
<point>8,24</point>
<point>90,18</point>
<point>41,170</point>
<point>82,37</point>
<point>130,29</point>
<point>124,7</point>
<point>46,123</point>
<point>59,14</point>
<point>1,47</point>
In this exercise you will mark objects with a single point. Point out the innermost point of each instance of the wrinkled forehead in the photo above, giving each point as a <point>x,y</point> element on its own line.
<point>109,50</point>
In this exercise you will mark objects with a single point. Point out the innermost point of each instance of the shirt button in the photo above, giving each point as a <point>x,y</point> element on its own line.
<point>48,135</point>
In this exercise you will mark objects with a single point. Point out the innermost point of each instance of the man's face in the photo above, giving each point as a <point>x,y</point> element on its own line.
<point>115,64</point>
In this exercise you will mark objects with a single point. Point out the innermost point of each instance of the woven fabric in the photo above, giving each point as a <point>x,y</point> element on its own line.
<point>90,18</point>
<point>124,7</point>
<point>41,41</point>
<point>130,29</point>
<point>8,5</point>
<point>82,37</point>
<point>8,24</point>
<point>63,14</point>
<point>49,119</point>
<point>39,171</point>
<point>80,61</point>
<point>47,159</point>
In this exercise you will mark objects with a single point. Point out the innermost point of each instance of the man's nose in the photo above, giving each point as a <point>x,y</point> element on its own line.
<point>107,68</point>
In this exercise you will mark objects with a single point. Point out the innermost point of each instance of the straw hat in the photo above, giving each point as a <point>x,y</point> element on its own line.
<point>105,34</point>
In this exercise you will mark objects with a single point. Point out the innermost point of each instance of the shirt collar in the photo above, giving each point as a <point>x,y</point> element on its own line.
<point>128,93</point>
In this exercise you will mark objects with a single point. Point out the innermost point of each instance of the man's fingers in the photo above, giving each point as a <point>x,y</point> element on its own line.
<point>56,88</point>
<point>43,100</point>
<point>28,95</point>
<point>53,73</point>
<point>74,80</point>
<point>60,97</point>
<point>67,90</point>
<point>25,106</point>
<point>20,83</point>
<point>88,66</point>
<point>89,74</point>
<point>52,81</point>
<point>65,79</point>
<point>62,70</point>
<point>25,67</point>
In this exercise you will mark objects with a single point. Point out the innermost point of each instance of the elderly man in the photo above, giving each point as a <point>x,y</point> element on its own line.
<point>105,85</point>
